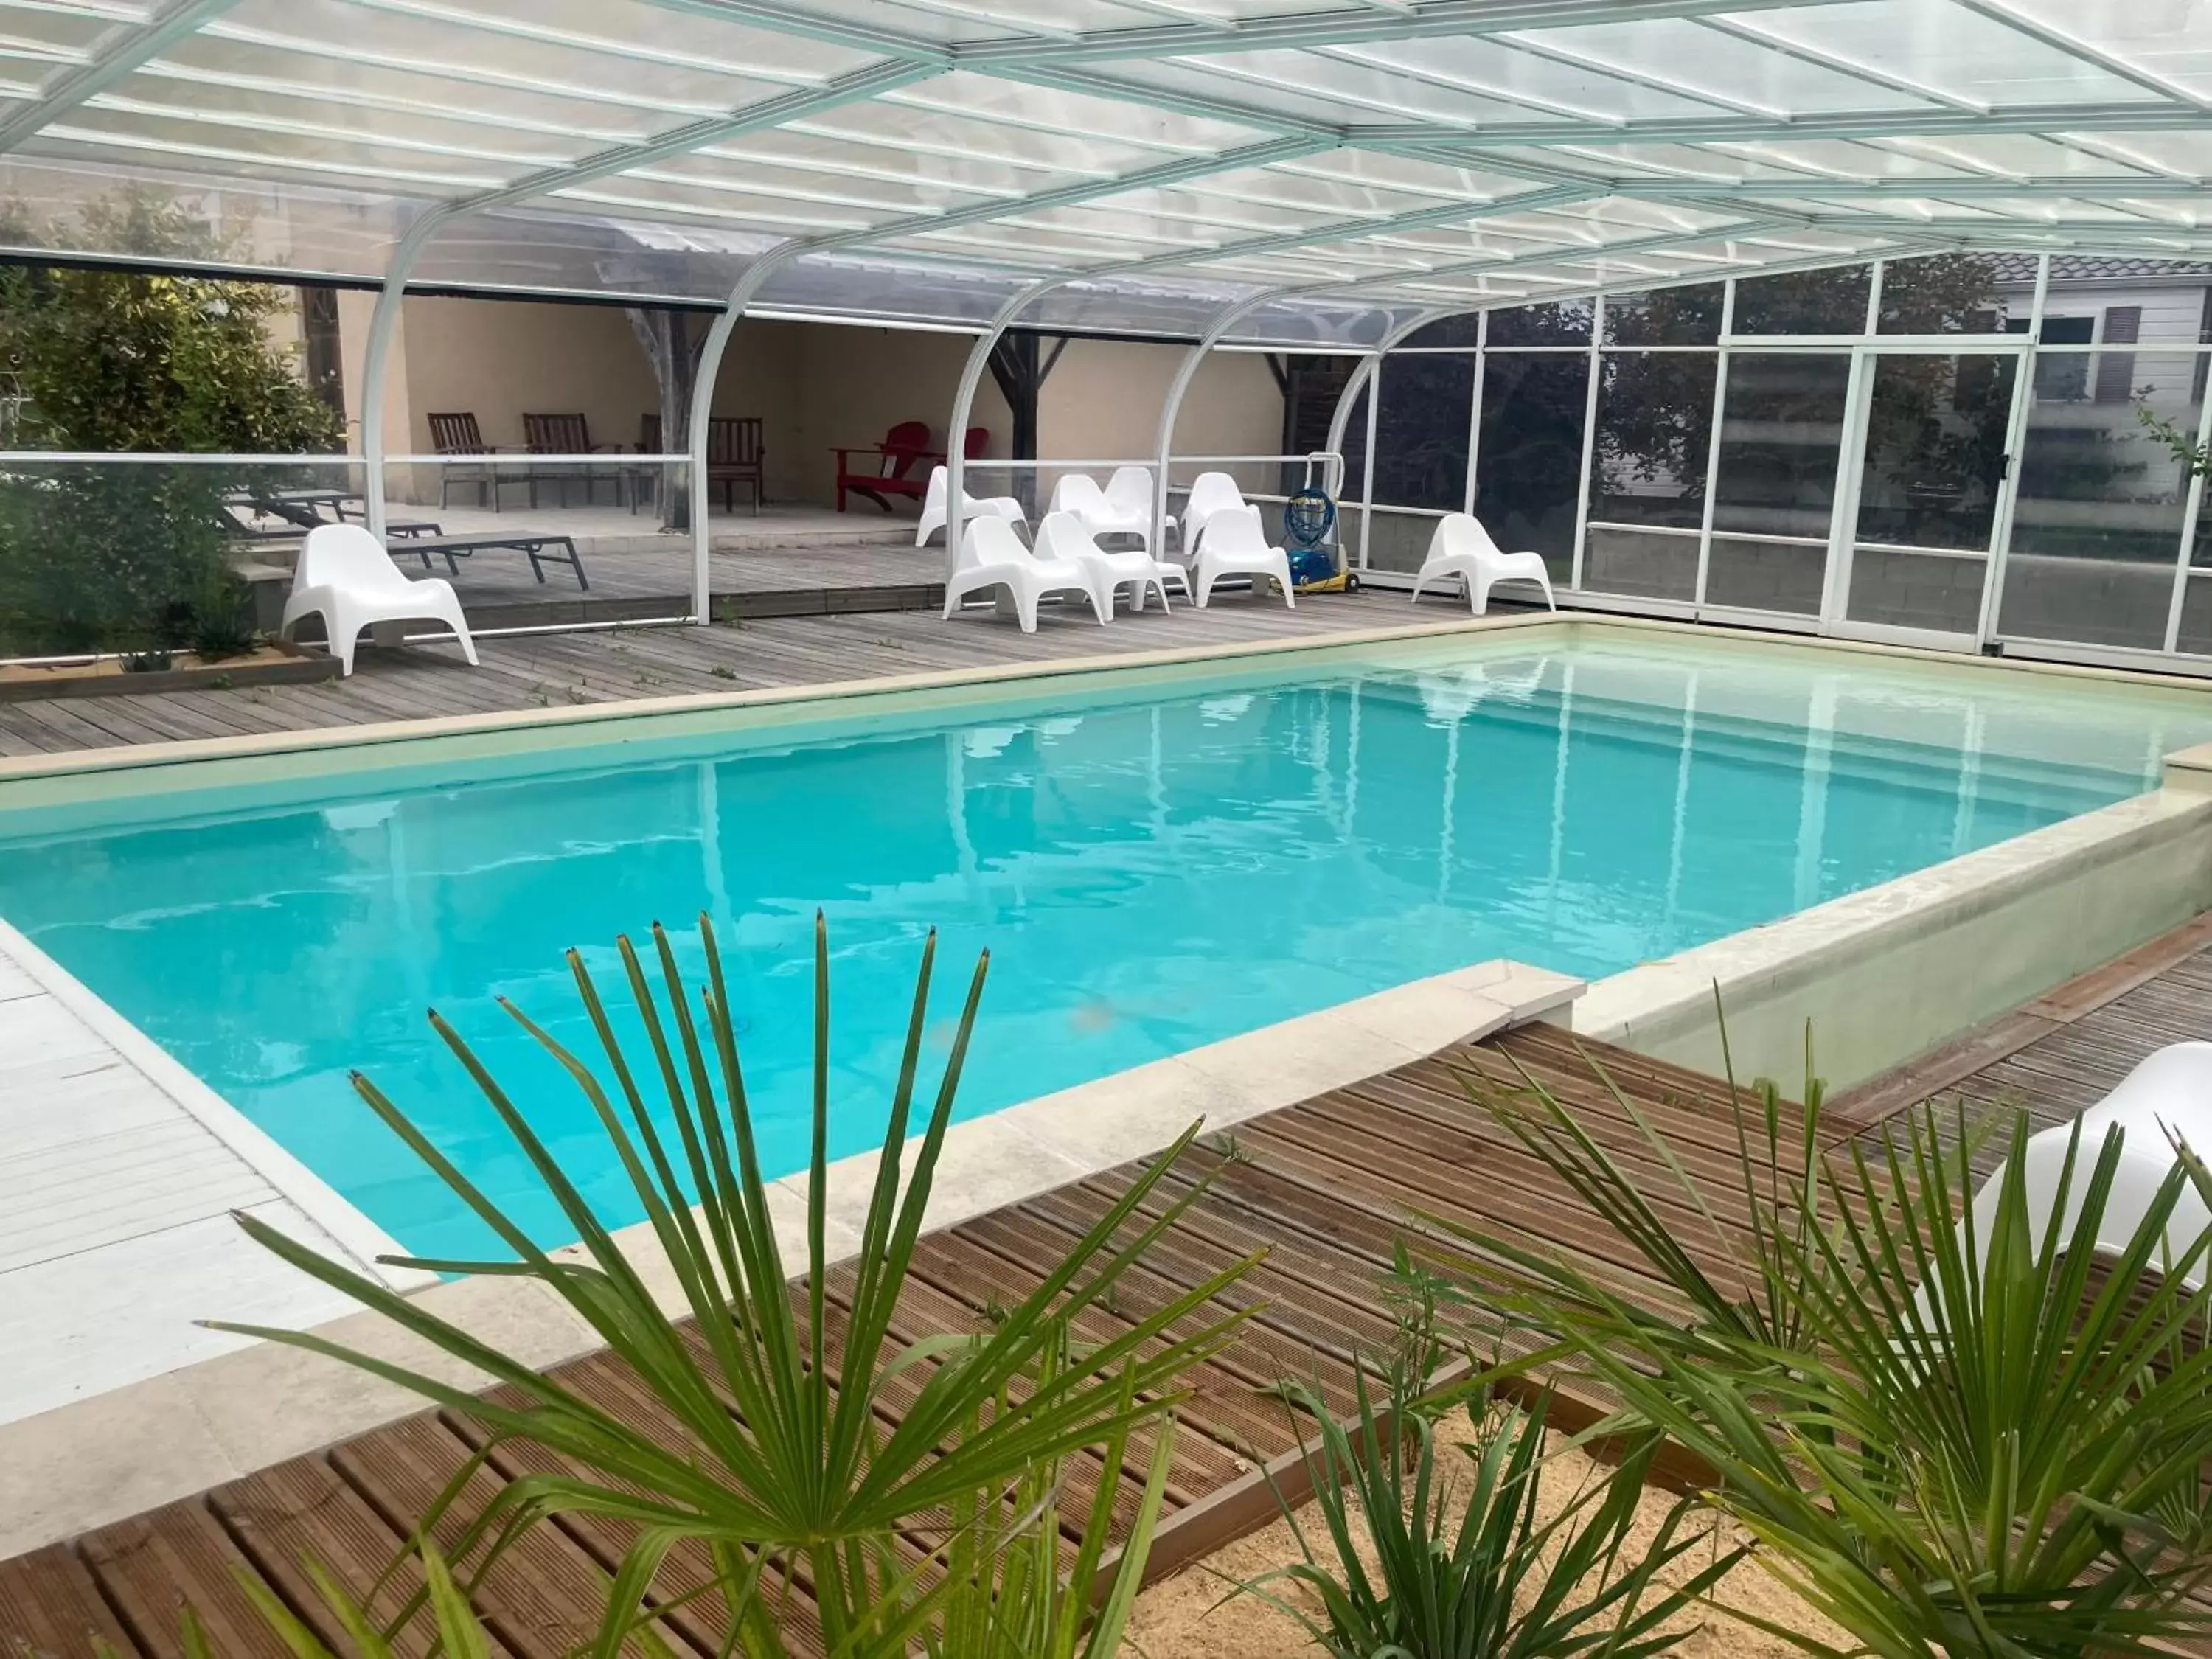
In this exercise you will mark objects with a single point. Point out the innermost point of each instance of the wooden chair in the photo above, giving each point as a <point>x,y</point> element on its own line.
<point>736,455</point>
<point>567,434</point>
<point>459,434</point>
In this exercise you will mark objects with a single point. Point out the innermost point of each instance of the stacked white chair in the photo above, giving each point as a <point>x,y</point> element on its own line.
<point>1061,536</point>
<point>1124,507</point>
<point>992,556</point>
<point>1462,548</point>
<point>1210,493</point>
<point>345,577</point>
<point>935,502</point>
<point>1235,544</point>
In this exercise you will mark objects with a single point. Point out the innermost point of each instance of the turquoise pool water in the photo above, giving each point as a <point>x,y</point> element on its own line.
<point>1151,873</point>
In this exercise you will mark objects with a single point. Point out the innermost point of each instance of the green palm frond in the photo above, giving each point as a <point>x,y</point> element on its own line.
<point>792,1458</point>
<point>1482,1576</point>
<point>1946,1434</point>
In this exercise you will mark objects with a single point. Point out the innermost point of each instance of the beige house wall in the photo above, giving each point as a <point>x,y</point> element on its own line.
<point>813,386</point>
<point>1104,400</point>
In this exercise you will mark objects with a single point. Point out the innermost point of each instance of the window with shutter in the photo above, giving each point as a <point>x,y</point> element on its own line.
<point>2115,370</point>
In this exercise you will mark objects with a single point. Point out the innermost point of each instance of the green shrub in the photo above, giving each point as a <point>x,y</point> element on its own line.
<point>121,556</point>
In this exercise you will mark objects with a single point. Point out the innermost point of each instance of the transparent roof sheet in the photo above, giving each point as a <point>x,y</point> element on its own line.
<point>1337,165</point>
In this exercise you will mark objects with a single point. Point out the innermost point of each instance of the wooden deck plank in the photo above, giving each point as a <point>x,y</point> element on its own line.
<point>523,671</point>
<point>542,1599</point>
<point>51,1606</point>
<point>152,1566</point>
<point>300,1512</point>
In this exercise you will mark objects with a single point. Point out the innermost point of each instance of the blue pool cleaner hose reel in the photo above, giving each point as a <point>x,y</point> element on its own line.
<point>1309,540</point>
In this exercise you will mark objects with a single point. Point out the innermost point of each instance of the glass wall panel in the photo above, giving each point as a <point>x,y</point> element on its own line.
<point>1655,427</point>
<point>1420,439</point>
<point>1956,294</point>
<point>2097,527</point>
<point>1464,330</point>
<point>1928,490</point>
<point>2195,630</point>
<point>1567,323</point>
<point>1528,470</point>
<point>1774,498</point>
<point>1690,315</point>
<point>1829,301</point>
<point>161,564</point>
<point>1355,446</point>
<point>1400,541</point>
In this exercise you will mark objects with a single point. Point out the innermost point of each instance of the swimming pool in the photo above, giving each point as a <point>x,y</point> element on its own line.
<point>1155,862</point>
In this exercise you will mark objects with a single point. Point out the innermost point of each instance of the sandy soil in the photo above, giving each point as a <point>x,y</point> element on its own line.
<point>1187,1617</point>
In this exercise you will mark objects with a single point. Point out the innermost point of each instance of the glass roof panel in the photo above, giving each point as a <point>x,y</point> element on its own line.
<point>240,224</point>
<point>622,47</point>
<point>873,199</point>
<point>1535,86</point>
<point>318,128</point>
<point>278,63</point>
<point>1053,113</point>
<point>2172,40</point>
<point>40,42</point>
<point>99,136</point>
<point>1951,48</point>
<point>1309,80</point>
<point>1723,68</point>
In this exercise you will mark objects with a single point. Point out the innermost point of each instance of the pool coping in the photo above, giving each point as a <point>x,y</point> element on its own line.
<point>380,733</point>
<point>119,1453</point>
<point>254,1146</point>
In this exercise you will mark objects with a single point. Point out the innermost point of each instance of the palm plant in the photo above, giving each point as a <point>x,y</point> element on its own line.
<point>1491,1581</point>
<point>1008,1596</point>
<point>1948,1437</point>
<point>793,1467</point>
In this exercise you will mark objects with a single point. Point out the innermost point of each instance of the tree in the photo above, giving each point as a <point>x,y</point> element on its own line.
<point>131,556</point>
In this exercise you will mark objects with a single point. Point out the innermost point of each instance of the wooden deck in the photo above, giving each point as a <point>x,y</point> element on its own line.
<point>555,670</point>
<point>1324,1186</point>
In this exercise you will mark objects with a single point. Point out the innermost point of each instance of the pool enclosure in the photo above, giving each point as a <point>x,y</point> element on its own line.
<point>1878,317</point>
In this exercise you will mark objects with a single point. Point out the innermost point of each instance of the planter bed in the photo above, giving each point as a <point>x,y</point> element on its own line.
<point>265,665</point>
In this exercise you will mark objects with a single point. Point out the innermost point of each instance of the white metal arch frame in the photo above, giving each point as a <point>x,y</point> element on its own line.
<point>963,400</point>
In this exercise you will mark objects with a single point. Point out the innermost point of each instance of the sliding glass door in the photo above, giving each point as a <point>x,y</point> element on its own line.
<point>1930,470</point>
<point>1774,480</point>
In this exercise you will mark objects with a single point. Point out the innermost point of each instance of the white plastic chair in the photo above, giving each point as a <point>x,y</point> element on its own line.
<point>1210,493</point>
<point>1104,513</point>
<point>2168,1091</point>
<point>345,577</point>
<point>1462,548</point>
<point>1061,536</point>
<point>1235,544</point>
<point>992,556</point>
<point>939,495</point>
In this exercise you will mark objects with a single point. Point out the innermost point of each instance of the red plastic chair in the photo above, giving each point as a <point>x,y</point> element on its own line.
<point>898,466</point>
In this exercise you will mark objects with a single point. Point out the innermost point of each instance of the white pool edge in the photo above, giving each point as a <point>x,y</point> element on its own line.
<point>115,1454</point>
<point>1896,970</point>
<point>320,1201</point>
